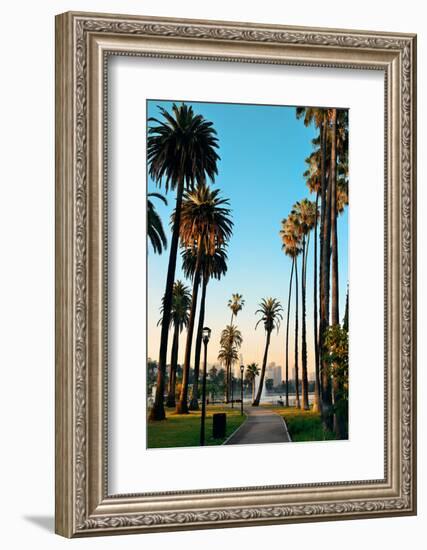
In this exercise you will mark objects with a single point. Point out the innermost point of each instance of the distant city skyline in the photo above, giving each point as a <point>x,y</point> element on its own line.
<point>263,151</point>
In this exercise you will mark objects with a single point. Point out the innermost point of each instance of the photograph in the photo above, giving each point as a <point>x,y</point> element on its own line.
<point>247,273</point>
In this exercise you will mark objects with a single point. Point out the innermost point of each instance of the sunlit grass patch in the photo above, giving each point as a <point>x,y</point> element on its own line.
<point>183,430</point>
<point>304,425</point>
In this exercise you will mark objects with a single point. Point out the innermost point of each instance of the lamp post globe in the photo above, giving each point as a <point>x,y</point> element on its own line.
<point>206,334</point>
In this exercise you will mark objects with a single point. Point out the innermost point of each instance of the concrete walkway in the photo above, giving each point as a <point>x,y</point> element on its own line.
<point>261,426</point>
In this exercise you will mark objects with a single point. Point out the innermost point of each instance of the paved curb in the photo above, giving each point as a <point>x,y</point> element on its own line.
<point>286,428</point>
<point>236,430</point>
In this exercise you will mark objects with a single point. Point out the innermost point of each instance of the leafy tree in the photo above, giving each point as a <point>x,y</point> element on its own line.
<point>215,382</point>
<point>269,384</point>
<point>336,356</point>
<point>151,373</point>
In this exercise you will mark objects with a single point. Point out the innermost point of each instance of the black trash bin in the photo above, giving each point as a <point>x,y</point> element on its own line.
<point>219,425</point>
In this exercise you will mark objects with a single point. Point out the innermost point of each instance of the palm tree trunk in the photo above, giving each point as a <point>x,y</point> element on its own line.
<point>158,410</point>
<point>334,235</point>
<point>304,390</point>
<point>264,364</point>
<point>170,401</point>
<point>182,406</point>
<point>297,402</point>
<point>317,400</point>
<point>227,383</point>
<point>287,333</point>
<point>194,403</point>
<point>324,305</point>
<point>338,421</point>
<point>345,320</point>
<point>323,190</point>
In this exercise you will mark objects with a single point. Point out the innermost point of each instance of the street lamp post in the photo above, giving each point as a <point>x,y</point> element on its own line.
<point>206,334</point>
<point>242,368</point>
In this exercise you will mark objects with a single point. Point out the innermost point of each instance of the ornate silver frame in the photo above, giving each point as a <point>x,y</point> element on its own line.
<point>83,506</point>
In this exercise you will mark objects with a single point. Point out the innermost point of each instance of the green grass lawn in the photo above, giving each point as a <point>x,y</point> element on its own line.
<point>303,425</point>
<point>183,430</point>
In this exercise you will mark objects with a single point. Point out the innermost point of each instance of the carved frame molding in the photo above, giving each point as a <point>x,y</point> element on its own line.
<point>83,43</point>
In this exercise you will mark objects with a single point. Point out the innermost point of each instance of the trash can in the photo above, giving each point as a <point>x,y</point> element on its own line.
<point>219,425</point>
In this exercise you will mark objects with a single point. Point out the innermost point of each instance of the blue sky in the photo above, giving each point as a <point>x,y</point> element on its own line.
<point>262,150</point>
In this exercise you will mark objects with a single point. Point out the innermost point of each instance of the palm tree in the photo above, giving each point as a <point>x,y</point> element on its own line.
<point>271,315</point>
<point>181,301</point>
<point>155,230</point>
<point>305,212</point>
<point>289,251</point>
<point>313,179</point>
<point>324,272</point>
<point>205,227</point>
<point>321,118</point>
<point>334,237</point>
<point>235,304</point>
<point>252,371</point>
<point>339,198</point>
<point>231,338</point>
<point>291,238</point>
<point>213,266</point>
<point>227,356</point>
<point>181,151</point>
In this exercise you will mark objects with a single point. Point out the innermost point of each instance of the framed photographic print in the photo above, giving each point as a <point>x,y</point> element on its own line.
<point>235,274</point>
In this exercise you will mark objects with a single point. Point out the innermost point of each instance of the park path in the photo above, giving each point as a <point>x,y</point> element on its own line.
<point>261,426</point>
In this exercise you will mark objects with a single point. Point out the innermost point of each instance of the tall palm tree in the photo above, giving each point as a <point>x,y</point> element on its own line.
<point>322,120</point>
<point>181,301</point>
<point>289,251</point>
<point>339,199</point>
<point>311,115</point>
<point>231,338</point>
<point>155,230</point>
<point>252,371</point>
<point>205,226</point>
<point>305,212</point>
<point>271,315</point>
<point>181,151</point>
<point>334,236</point>
<point>236,304</point>
<point>213,267</point>
<point>291,238</point>
<point>313,180</point>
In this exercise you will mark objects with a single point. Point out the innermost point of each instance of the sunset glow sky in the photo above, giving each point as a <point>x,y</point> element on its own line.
<point>262,150</point>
